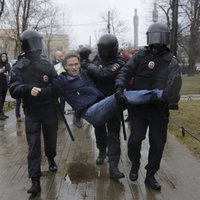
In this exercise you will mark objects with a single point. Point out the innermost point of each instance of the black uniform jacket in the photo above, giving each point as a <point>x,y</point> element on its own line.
<point>149,71</point>
<point>28,72</point>
<point>105,73</point>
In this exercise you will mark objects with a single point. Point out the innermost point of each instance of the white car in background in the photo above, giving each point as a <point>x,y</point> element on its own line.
<point>197,67</point>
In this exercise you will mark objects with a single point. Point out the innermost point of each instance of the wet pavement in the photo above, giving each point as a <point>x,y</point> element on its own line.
<point>78,176</point>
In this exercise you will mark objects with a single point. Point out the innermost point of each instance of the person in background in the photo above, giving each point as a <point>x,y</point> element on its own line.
<point>17,101</point>
<point>84,53</point>
<point>4,78</point>
<point>58,59</point>
<point>33,69</point>
<point>152,67</point>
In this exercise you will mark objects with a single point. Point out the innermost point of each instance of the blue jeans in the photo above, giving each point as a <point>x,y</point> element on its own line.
<point>102,111</point>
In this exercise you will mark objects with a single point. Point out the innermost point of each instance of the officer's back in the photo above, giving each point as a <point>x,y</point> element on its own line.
<point>32,69</point>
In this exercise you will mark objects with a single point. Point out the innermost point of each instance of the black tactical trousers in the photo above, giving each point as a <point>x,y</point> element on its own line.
<point>3,92</point>
<point>109,134</point>
<point>37,120</point>
<point>156,125</point>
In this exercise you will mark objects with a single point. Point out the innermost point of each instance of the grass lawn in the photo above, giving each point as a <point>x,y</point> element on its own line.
<point>188,117</point>
<point>191,84</point>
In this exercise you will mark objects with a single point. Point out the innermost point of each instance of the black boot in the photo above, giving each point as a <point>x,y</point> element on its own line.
<point>114,171</point>
<point>2,117</point>
<point>101,157</point>
<point>133,175</point>
<point>152,182</point>
<point>35,187</point>
<point>78,122</point>
<point>6,116</point>
<point>52,165</point>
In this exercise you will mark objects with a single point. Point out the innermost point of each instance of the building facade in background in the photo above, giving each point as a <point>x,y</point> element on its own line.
<point>55,42</point>
<point>8,42</point>
<point>52,43</point>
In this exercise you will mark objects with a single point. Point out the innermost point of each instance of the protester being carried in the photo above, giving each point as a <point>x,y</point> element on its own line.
<point>80,92</point>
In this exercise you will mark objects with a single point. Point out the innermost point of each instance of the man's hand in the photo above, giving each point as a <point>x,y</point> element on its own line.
<point>2,70</point>
<point>35,91</point>
<point>120,97</point>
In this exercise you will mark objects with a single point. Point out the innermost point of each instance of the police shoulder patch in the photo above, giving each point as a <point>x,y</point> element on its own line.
<point>151,64</point>
<point>115,67</point>
<point>45,78</point>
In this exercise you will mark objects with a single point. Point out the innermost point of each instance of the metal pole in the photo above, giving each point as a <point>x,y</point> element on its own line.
<point>174,27</point>
<point>108,21</point>
<point>65,121</point>
<point>123,125</point>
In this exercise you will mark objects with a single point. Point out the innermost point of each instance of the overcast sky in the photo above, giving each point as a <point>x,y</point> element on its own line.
<point>85,17</point>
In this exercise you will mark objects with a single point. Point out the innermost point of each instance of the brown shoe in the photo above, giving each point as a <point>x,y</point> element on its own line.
<point>19,119</point>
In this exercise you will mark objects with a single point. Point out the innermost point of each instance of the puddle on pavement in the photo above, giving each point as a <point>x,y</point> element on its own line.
<point>80,172</point>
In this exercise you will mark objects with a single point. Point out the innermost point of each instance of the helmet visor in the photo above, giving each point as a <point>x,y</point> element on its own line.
<point>158,38</point>
<point>107,53</point>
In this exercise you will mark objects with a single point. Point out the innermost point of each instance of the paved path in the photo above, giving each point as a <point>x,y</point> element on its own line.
<point>190,97</point>
<point>78,176</point>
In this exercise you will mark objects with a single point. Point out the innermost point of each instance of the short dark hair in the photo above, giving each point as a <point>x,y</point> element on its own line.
<point>71,54</point>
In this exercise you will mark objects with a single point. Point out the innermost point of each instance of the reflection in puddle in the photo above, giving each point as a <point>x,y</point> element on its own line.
<point>78,176</point>
<point>80,172</point>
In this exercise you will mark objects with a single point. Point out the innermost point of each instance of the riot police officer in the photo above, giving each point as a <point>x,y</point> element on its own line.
<point>104,73</point>
<point>33,69</point>
<point>151,67</point>
<point>84,53</point>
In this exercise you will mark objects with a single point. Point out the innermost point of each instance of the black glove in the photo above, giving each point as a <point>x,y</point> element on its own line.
<point>120,97</point>
<point>173,106</point>
<point>84,64</point>
<point>154,99</point>
<point>171,94</point>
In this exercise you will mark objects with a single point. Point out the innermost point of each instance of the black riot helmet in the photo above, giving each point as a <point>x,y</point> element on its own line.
<point>158,33</point>
<point>84,53</point>
<point>31,41</point>
<point>107,47</point>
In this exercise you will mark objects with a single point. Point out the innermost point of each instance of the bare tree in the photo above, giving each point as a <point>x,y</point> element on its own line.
<point>188,35</point>
<point>192,10</point>
<point>114,23</point>
<point>40,15</point>
<point>2,3</point>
